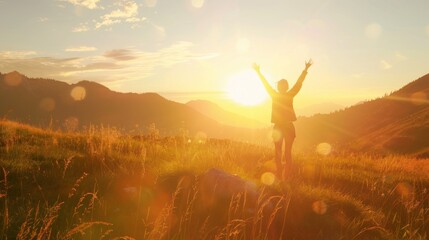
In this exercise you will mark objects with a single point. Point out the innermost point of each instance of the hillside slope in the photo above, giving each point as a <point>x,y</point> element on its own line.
<point>401,114</point>
<point>408,135</point>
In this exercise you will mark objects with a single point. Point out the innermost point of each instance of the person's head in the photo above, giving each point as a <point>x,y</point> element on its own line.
<point>282,86</point>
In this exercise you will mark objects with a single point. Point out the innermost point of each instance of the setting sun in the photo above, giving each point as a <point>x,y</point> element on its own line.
<point>246,89</point>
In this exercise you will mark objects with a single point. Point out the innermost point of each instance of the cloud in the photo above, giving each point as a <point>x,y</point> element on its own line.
<point>83,27</point>
<point>90,68</point>
<point>106,22</point>
<point>400,57</point>
<point>90,4</point>
<point>120,54</point>
<point>385,65</point>
<point>16,54</point>
<point>128,12</point>
<point>373,31</point>
<point>37,66</point>
<point>135,19</point>
<point>113,67</point>
<point>81,49</point>
<point>397,58</point>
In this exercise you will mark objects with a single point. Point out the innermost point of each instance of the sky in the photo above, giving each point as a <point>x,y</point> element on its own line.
<point>187,49</point>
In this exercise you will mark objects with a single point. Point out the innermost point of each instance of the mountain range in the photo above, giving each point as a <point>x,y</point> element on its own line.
<point>395,123</point>
<point>45,102</point>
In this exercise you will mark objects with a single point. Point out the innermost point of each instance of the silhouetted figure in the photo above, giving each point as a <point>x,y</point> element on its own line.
<point>283,116</point>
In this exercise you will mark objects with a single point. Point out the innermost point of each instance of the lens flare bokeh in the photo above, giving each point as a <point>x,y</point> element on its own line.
<point>78,93</point>
<point>268,178</point>
<point>324,149</point>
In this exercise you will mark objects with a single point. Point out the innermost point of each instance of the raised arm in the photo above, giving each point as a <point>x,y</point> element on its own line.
<point>264,81</point>
<point>295,89</point>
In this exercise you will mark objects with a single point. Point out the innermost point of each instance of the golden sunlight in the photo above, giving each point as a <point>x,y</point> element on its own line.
<point>245,88</point>
<point>242,45</point>
<point>419,98</point>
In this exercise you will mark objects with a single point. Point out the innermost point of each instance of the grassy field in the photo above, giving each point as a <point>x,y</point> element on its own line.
<point>99,184</point>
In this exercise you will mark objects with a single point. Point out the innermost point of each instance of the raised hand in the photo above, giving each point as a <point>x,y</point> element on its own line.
<point>308,64</point>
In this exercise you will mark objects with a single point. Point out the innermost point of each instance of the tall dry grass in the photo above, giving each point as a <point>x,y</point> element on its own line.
<point>100,184</point>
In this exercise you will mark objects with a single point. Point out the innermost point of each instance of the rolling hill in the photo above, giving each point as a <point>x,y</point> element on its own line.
<point>395,123</point>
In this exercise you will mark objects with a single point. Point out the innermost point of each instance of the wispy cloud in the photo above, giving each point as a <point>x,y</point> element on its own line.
<point>128,12</point>
<point>111,68</point>
<point>81,49</point>
<point>37,66</point>
<point>135,19</point>
<point>120,54</point>
<point>90,4</point>
<point>16,54</point>
<point>400,57</point>
<point>385,65</point>
<point>90,68</point>
<point>83,27</point>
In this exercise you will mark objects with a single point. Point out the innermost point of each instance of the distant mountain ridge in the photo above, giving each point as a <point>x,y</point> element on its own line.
<point>44,102</point>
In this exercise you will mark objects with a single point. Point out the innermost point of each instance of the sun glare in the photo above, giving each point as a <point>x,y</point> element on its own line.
<point>197,3</point>
<point>243,45</point>
<point>246,89</point>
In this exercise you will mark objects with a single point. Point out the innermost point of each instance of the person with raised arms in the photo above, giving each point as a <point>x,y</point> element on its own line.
<point>282,116</point>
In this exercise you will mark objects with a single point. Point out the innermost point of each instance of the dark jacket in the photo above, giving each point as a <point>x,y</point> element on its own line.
<point>282,103</point>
